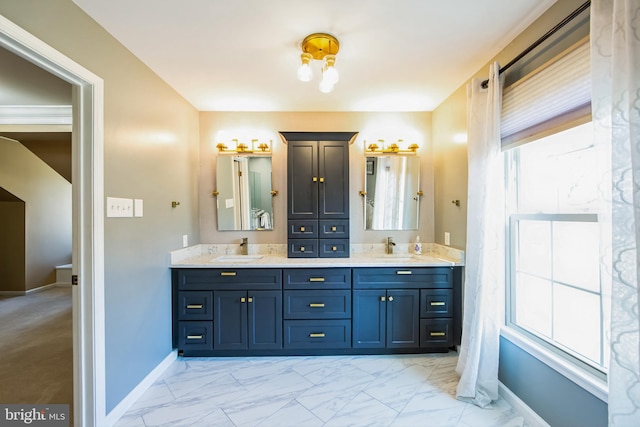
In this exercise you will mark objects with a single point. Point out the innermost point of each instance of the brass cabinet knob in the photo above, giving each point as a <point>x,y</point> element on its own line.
<point>390,298</point>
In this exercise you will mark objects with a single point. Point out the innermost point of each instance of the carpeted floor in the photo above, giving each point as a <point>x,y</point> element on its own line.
<point>36,348</point>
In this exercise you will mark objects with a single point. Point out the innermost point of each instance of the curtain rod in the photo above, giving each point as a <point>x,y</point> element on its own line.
<point>538,42</point>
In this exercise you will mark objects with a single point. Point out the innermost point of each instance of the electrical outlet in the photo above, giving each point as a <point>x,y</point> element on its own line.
<point>447,238</point>
<point>185,240</point>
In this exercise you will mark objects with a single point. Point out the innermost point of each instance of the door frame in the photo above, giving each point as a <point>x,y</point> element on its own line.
<point>89,390</point>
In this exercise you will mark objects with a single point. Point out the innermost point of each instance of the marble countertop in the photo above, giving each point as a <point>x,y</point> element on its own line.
<point>208,256</point>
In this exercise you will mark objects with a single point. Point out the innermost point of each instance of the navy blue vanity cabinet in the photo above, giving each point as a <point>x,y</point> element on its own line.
<point>318,193</point>
<point>401,308</point>
<point>226,310</point>
<point>317,308</point>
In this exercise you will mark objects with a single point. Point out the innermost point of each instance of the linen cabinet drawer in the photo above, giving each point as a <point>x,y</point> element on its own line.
<point>334,248</point>
<point>317,278</point>
<point>436,303</point>
<point>436,333</point>
<point>302,248</point>
<point>195,305</point>
<point>193,335</point>
<point>317,304</point>
<point>229,278</point>
<point>317,334</point>
<point>334,229</point>
<point>303,229</point>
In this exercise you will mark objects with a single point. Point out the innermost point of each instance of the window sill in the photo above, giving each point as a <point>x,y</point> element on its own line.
<point>590,383</point>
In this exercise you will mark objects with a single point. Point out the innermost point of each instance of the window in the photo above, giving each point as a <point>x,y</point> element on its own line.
<point>554,293</point>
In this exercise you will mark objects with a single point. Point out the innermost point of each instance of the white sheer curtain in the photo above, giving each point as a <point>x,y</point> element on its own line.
<point>615,56</point>
<point>484,259</point>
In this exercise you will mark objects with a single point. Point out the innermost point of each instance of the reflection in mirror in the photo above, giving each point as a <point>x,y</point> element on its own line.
<point>244,193</point>
<point>392,185</point>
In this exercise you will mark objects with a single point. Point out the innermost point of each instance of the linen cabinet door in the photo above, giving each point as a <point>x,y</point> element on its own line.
<point>265,320</point>
<point>403,318</point>
<point>230,320</point>
<point>302,170</point>
<point>369,318</point>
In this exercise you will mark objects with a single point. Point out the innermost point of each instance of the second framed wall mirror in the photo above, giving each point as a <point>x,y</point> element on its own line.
<point>392,192</point>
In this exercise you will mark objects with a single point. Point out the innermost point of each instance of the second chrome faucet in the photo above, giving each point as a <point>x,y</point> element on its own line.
<point>390,245</point>
<point>244,246</point>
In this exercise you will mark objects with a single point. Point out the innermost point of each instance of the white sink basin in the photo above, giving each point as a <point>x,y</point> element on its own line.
<point>237,258</point>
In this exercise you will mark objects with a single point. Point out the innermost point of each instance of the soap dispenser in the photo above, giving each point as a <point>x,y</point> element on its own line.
<point>417,249</point>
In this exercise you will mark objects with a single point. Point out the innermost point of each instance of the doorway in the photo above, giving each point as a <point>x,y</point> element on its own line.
<point>88,218</point>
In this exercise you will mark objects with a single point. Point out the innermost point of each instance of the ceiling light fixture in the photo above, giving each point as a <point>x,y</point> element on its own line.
<point>321,47</point>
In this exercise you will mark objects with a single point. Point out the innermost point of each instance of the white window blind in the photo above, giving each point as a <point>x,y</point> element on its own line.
<point>550,99</point>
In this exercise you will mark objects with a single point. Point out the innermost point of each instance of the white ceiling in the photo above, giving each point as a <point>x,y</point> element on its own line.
<point>242,55</point>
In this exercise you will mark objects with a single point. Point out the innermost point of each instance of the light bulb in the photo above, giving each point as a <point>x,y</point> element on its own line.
<point>305,73</point>
<point>329,71</point>
<point>325,86</point>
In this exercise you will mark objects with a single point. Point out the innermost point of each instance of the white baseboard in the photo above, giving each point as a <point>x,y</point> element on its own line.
<point>135,394</point>
<point>29,291</point>
<point>530,416</point>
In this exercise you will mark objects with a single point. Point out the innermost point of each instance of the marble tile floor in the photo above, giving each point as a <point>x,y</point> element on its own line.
<point>301,391</point>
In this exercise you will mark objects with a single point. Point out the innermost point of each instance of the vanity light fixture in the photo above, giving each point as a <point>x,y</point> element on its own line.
<point>393,148</point>
<point>236,147</point>
<point>320,47</point>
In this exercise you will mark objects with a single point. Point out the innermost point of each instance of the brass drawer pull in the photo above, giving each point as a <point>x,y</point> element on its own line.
<point>334,248</point>
<point>228,273</point>
<point>316,335</point>
<point>301,248</point>
<point>437,303</point>
<point>194,306</point>
<point>316,279</point>
<point>404,272</point>
<point>194,337</point>
<point>313,304</point>
<point>333,228</point>
<point>301,228</point>
<point>437,334</point>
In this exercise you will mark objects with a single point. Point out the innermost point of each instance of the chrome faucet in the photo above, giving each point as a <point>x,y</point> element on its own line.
<point>390,245</point>
<point>244,246</point>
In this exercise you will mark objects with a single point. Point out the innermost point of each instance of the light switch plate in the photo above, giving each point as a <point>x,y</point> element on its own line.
<point>447,238</point>
<point>119,208</point>
<point>185,240</point>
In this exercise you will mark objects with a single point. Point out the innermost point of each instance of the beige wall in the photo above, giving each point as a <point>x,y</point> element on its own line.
<point>449,119</point>
<point>47,197</point>
<point>414,127</point>
<point>150,153</point>
<point>12,246</point>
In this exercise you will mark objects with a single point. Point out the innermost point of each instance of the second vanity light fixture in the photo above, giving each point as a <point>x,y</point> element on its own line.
<point>393,148</point>
<point>320,47</point>
<point>237,147</point>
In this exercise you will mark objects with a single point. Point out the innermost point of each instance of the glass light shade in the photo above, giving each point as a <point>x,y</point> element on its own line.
<point>305,73</point>
<point>325,86</point>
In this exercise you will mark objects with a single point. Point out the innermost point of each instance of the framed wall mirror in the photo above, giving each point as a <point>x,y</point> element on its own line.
<point>244,186</point>
<point>392,186</point>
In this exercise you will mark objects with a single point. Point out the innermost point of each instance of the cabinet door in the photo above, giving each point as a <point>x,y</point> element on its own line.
<point>333,190</point>
<point>403,318</point>
<point>265,320</point>
<point>302,171</point>
<point>230,320</point>
<point>369,318</point>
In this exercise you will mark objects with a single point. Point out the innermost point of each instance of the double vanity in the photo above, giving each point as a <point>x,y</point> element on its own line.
<point>270,304</point>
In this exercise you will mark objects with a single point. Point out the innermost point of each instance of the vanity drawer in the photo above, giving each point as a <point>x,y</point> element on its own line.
<point>436,333</point>
<point>317,334</point>
<point>317,278</point>
<point>195,305</point>
<point>334,229</point>
<point>302,248</point>
<point>229,278</point>
<point>195,335</point>
<point>436,303</point>
<point>334,248</point>
<point>317,304</point>
<point>398,277</point>
<point>303,229</point>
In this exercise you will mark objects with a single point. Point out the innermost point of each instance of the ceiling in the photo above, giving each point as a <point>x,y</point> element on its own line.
<point>405,55</point>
